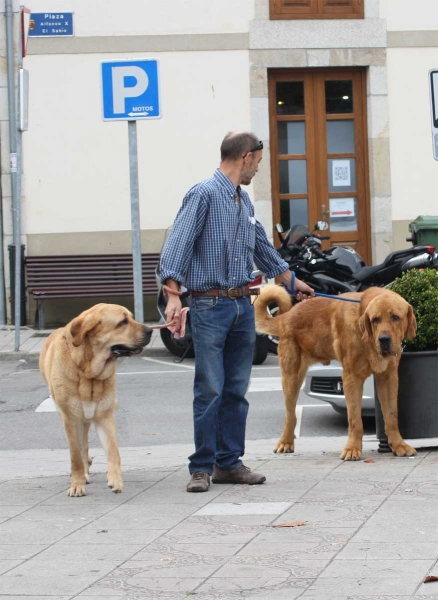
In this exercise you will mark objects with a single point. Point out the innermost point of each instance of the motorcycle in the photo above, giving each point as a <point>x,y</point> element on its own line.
<point>183,347</point>
<point>341,269</point>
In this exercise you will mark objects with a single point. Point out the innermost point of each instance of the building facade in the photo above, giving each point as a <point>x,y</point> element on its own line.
<point>337,90</point>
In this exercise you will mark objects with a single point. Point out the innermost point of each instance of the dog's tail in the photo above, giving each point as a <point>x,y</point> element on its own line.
<point>276,295</point>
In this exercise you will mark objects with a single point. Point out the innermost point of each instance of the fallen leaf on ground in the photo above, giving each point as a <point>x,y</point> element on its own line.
<point>430,578</point>
<point>294,524</point>
<point>368,460</point>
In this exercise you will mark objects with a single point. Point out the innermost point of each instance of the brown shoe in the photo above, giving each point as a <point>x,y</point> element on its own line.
<point>199,482</point>
<point>240,475</point>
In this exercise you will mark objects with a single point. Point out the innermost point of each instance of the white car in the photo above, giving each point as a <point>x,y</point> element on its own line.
<point>325,383</point>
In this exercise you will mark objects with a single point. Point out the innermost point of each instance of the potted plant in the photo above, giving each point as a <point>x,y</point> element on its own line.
<point>418,368</point>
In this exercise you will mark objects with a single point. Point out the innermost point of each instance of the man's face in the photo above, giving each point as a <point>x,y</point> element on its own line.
<point>250,166</point>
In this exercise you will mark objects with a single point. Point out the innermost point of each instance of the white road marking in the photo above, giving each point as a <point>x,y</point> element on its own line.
<point>299,414</point>
<point>169,364</point>
<point>151,372</point>
<point>47,406</point>
<point>265,384</point>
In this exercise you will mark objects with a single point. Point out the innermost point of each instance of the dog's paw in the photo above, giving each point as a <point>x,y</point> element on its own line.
<point>403,450</point>
<point>284,447</point>
<point>76,491</point>
<point>116,484</point>
<point>349,453</point>
<point>90,460</point>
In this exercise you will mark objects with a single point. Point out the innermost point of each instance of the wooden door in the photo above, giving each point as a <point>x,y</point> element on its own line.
<point>319,153</point>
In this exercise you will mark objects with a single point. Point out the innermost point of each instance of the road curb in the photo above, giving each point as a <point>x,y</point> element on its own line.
<point>4,356</point>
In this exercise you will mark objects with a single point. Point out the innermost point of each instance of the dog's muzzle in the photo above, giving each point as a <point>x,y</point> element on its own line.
<point>385,345</point>
<point>122,350</point>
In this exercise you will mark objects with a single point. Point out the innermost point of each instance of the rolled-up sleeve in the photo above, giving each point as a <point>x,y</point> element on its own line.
<point>266,256</point>
<point>178,250</point>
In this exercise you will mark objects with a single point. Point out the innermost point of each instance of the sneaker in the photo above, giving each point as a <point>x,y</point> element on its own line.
<point>240,475</point>
<point>199,482</point>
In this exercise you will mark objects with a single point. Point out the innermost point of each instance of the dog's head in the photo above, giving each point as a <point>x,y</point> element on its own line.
<point>386,319</point>
<point>110,328</point>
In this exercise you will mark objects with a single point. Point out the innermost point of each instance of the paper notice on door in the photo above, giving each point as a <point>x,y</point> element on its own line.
<point>341,173</point>
<point>342,207</point>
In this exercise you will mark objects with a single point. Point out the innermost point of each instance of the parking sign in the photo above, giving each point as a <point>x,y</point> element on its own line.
<point>130,90</point>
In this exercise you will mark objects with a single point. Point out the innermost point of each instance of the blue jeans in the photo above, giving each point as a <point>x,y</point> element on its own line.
<point>224,337</point>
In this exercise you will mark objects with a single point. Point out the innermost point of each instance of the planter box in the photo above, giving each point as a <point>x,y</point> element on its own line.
<point>417,398</point>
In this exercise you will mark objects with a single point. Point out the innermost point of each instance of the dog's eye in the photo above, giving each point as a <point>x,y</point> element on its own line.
<point>124,322</point>
<point>395,318</point>
<point>376,320</point>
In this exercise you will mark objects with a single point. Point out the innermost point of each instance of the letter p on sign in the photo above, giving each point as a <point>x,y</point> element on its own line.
<point>121,91</point>
<point>130,90</point>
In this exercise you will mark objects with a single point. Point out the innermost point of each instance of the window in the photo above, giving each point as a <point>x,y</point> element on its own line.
<point>317,9</point>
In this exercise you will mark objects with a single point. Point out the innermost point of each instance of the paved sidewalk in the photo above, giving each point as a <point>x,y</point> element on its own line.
<point>370,532</point>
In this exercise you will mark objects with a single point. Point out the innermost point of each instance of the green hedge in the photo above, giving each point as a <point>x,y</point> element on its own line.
<point>420,289</point>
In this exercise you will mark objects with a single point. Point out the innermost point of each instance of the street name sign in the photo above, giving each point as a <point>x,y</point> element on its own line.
<point>51,24</point>
<point>130,90</point>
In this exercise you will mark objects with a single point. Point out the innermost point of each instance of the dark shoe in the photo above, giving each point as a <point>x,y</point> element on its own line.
<point>240,475</point>
<point>199,482</point>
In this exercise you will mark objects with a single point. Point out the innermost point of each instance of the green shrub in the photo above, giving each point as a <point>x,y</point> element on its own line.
<point>420,289</point>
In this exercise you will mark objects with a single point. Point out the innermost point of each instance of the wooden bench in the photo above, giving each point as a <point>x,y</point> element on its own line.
<point>85,276</point>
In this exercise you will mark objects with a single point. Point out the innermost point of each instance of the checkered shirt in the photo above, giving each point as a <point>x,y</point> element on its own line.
<point>215,241</point>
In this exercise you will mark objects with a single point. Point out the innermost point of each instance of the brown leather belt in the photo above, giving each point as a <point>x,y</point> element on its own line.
<point>232,293</point>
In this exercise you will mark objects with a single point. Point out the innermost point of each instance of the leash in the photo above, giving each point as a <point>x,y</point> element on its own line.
<point>292,292</point>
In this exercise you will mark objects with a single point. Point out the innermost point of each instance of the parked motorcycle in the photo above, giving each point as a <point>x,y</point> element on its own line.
<point>183,347</point>
<point>340,268</point>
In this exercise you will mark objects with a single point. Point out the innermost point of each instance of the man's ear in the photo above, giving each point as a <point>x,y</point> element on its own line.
<point>365,327</point>
<point>411,330</point>
<point>81,326</point>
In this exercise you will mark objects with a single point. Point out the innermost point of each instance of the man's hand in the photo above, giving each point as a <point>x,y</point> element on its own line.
<point>304,290</point>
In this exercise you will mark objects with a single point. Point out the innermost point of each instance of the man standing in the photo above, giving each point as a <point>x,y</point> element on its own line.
<point>214,243</point>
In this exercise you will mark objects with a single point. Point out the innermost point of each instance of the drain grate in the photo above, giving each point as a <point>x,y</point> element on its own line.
<point>40,334</point>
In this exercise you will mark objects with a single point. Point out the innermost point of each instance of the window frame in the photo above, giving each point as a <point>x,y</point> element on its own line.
<point>317,9</point>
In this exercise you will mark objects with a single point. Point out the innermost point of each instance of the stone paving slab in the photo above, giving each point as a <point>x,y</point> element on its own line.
<point>371,530</point>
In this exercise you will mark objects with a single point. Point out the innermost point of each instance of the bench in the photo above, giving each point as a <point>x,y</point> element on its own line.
<point>85,276</point>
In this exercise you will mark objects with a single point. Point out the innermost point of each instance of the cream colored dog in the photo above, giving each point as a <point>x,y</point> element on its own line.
<point>78,362</point>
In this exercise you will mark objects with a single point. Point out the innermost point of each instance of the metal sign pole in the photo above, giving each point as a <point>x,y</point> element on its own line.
<point>13,153</point>
<point>124,101</point>
<point>135,221</point>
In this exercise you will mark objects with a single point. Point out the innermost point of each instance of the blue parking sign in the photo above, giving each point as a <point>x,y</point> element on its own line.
<point>130,90</point>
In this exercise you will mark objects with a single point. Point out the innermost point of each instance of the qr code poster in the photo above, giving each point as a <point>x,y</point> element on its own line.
<point>341,173</point>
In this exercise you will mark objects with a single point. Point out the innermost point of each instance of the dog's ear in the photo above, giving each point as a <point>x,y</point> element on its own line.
<point>81,326</point>
<point>365,327</point>
<point>411,330</point>
<point>367,296</point>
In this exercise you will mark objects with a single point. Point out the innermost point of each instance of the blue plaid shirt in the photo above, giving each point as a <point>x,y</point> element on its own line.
<point>215,241</point>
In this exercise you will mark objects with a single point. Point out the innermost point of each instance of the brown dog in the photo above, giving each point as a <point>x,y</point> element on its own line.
<point>364,337</point>
<point>78,362</point>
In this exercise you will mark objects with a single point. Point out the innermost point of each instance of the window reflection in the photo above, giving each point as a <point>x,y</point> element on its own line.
<point>294,212</point>
<point>339,96</point>
<point>290,98</point>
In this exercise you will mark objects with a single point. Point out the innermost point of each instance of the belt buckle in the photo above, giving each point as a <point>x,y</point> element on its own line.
<point>233,293</point>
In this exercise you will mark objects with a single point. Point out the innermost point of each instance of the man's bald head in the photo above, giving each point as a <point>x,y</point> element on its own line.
<point>236,144</point>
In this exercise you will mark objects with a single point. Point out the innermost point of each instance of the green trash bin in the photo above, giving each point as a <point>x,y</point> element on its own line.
<point>424,231</point>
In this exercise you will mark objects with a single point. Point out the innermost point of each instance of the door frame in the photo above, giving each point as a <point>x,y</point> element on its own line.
<point>310,104</point>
